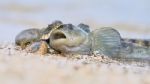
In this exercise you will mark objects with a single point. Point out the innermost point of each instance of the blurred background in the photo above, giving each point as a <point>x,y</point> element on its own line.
<point>130,17</point>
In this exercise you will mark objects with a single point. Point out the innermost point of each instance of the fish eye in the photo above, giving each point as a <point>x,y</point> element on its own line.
<point>61,26</point>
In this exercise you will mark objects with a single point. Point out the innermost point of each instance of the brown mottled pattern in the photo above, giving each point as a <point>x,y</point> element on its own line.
<point>140,42</point>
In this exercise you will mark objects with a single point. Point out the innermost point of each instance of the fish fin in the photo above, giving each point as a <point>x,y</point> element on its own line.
<point>106,41</point>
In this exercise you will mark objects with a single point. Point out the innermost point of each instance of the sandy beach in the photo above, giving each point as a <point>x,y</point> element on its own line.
<point>19,67</point>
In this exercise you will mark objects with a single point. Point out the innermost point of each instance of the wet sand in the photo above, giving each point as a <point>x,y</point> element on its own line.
<point>20,67</point>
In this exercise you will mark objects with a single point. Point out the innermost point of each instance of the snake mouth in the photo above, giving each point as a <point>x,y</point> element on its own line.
<point>58,35</point>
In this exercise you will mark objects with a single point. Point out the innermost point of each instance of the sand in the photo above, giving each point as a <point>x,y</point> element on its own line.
<point>19,67</point>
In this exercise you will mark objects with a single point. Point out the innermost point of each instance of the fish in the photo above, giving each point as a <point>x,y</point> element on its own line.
<point>105,41</point>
